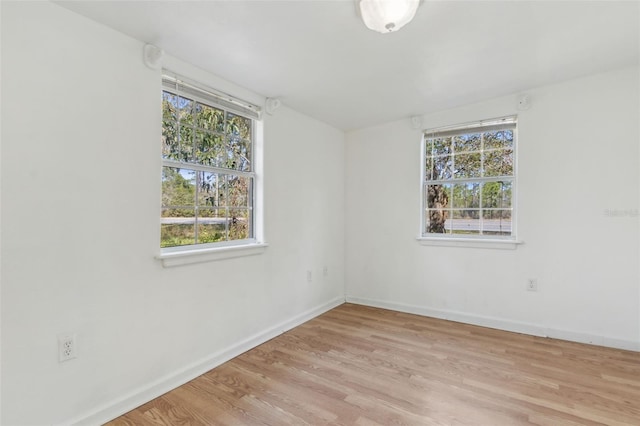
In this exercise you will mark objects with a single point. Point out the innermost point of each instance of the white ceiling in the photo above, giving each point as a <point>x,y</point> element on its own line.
<point>321,60</point>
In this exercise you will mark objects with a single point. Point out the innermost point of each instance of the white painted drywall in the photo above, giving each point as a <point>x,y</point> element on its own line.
<point>578,158</point>
<point>80,138</point>
<point>80,228</point>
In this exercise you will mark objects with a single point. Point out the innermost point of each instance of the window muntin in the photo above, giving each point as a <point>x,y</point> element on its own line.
<point>469,180</point>
<point>208,173</point>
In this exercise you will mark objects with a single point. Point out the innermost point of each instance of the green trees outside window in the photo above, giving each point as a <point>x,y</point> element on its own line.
<point>469,180</point>
<point>207,174</point>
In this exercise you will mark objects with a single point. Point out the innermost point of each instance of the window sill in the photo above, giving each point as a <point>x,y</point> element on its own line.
<point>189,257</point>
<point>470,243</point>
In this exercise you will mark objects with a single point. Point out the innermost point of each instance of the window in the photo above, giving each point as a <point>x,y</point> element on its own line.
<point>469,180</point>
<point>208,169</point>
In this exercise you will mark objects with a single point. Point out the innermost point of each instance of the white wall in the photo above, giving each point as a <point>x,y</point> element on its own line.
<point>80,228</point>
<point>578,157</point>
<point>80,171</point>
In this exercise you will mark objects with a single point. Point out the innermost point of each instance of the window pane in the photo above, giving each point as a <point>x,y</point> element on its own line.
<point>508,138</point>
<point>469,142</point>
<point>210,189</point>
<point>170,146</point>
<point>507,195</point>
<point>467,165</point>
<point>441,146</point>
<point>438,196</point>
<point>238,126</point>
<point>498,139</point>
<point>466,195</point>
<point>428,172</point>
<point>209,149</point>
<point>465,222</point>
<point>442,167</point>
<point>438,222</point>
<point>239,191</point>
<point>438,199</point>
<point>169,107</point>
<point>496,195</point>
<point>185,110</point>
<point>238,224</point>
<point>209,118</point>
<point>178,187</point>
<point>428,147</point>
<point>212,225</point>
<point>177,227</point>
<point>238,154</point>
<point>222,193</point>
<point>498,163</point>
<point>497,222</point>
<point>185,141</point>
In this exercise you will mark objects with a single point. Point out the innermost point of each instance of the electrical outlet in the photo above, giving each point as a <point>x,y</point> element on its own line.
<point>325,271</point>
<point>532,284</point>
<point>67,347</point>
<point>309,276</point>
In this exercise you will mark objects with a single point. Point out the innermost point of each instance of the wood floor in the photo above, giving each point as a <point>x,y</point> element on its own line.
<point>357,365</point>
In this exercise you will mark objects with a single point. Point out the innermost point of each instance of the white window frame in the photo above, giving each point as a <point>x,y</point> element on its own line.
<point>195,253</point>
<point>474,240</point>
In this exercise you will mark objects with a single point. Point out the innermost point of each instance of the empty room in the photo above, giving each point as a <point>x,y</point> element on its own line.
<point>346,212</point>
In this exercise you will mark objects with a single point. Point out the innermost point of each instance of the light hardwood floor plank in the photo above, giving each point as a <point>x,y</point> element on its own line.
<point>357,365</point>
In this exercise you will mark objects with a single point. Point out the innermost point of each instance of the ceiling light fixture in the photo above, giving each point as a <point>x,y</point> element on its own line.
<point>385,16</point>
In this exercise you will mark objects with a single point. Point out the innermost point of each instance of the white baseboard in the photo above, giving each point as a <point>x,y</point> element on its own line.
<point>150,391</point>
<point>500,324</point>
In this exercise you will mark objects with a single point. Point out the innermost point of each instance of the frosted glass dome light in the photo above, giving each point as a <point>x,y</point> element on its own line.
<point>385,16</point>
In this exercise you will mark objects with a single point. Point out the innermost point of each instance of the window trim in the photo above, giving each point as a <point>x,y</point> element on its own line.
<point>205,94</point>
<point>210,254</point>
<point>487,243</point>
<point>465,240</point>
<point>197,253</point>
